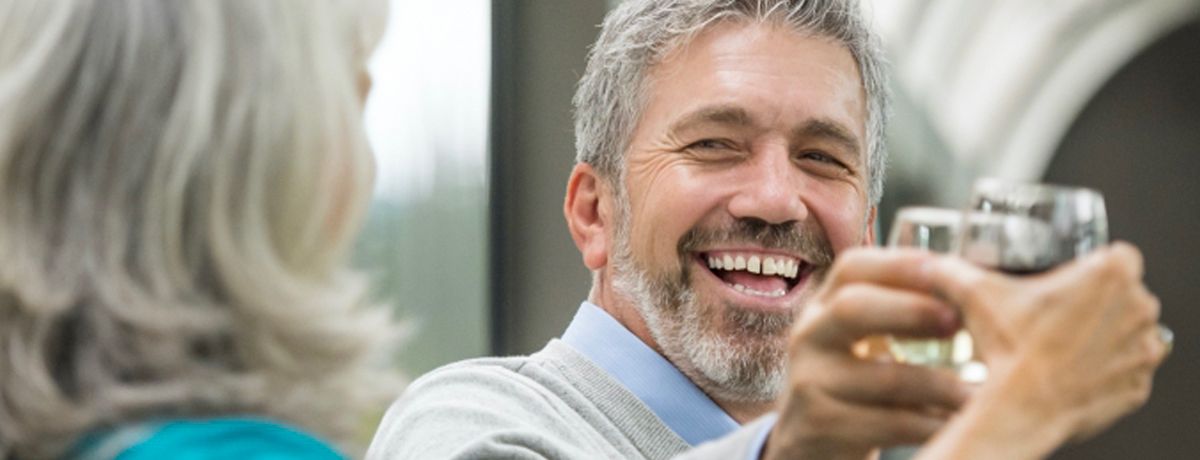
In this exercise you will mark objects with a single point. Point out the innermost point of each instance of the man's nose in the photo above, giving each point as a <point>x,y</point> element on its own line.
<point>770,189</point>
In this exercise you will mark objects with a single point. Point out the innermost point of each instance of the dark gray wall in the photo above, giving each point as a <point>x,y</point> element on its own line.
<point>1138,141</point>
<point>538,278</point>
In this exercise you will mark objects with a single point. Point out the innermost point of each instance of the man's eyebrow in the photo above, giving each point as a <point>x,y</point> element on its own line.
<point>831,130</point>
<point>718,114</point>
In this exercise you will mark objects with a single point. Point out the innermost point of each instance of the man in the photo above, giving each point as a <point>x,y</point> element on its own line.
<point>728,153</point>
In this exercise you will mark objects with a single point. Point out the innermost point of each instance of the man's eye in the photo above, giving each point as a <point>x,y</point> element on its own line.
<point>710,144</point>
<point>820,157</point>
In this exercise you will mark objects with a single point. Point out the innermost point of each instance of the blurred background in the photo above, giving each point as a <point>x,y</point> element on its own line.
<point>470,118</point>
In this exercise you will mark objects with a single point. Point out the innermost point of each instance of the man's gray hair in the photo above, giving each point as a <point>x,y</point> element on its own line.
<point>639,33</point>
<point>180,185</point>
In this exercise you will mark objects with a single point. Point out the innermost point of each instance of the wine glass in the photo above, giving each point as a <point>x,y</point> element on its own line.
<point>1023,229</point>
<point>937,230</point>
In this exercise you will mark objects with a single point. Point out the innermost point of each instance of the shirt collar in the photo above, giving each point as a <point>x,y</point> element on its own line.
<point>654,380</point>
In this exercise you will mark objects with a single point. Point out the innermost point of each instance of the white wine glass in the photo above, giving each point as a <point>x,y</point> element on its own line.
<point>936,230</point>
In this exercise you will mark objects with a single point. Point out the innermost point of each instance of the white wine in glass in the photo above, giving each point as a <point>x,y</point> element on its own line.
<point>936,230</point>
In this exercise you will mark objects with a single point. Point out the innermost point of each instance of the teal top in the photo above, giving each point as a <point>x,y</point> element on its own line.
<point>205,439</point>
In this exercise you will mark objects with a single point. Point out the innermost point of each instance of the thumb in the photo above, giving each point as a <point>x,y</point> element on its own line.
<point>978,293</point>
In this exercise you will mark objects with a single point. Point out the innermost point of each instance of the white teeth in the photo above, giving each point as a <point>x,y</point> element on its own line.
<point>769,267</point>
<point>755,292</point>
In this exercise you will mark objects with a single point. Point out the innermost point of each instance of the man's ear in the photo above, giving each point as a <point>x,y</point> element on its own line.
<point>869,240</point>
<point>588,209</point>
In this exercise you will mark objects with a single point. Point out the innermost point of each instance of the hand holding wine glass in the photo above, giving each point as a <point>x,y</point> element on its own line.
<point>1071,345</point>
<point>1069,352</point>
<point>1024,229</point>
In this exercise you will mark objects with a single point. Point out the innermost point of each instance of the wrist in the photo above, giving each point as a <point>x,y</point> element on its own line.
<point>1006,418</point>
<point>1034,434</point>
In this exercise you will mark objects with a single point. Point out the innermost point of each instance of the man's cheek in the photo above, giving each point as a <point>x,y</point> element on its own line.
<point>847,227</point>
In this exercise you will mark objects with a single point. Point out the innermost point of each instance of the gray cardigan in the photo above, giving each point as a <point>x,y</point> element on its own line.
<point>554,404</point>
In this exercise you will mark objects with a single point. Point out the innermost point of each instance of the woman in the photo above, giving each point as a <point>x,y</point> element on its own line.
<point>180,183</point>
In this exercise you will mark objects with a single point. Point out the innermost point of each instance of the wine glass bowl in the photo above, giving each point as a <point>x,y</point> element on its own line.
<point>1022,228</point>
<point>936,230</point>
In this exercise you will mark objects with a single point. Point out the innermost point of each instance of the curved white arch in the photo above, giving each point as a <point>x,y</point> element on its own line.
<point>1108,47</point>
<point>1001,81</point>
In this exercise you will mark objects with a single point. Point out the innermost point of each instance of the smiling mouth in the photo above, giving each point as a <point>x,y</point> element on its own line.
<point>757,274</point>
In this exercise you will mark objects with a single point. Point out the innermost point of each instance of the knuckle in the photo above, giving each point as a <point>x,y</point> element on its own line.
<point>976,288</point>
<point>1140,312</point>
<point>1124,265</point>
<point>1067,296</point>
<point>843,304</point>
<point>1151,352</point>
<point>837,273</point>
<point>845,263</point>
<point>1129,255</point>
<point>889,379</point>
<point>1152,308</point>
<point>1111,269</point>
<point>858,254</point>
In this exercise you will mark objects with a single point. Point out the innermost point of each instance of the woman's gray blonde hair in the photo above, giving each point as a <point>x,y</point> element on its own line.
<point>638,34</point>
<point>180,185</point>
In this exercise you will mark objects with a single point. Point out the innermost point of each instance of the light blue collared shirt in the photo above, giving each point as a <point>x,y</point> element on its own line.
<point>668,393</point>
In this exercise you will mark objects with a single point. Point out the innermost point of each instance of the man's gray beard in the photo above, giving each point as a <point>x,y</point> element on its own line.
<point>732,353</point>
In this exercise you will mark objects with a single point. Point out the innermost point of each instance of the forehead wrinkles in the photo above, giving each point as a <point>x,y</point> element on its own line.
<point>735,46</point>
<point>658,66</point>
